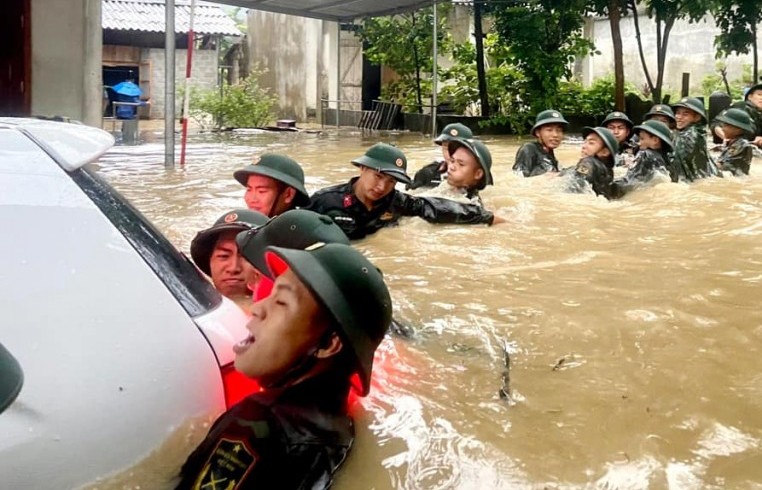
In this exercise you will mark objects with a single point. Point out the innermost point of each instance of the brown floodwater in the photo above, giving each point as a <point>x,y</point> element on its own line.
<point>634,327</point>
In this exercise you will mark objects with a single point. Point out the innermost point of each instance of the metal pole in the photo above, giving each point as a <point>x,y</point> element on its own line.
<point>434,76</point>
<point>186,92</point>
<point>169,87</point>
<point>338,73</point>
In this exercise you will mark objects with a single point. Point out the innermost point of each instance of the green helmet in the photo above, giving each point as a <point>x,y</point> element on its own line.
<point>658,129</point>
<point>618,116</point>
<point>606,135</point>
<point>751,90</point>
<point>237,220</point>
<point>550,116</point>
<point>296,228</point>
<point>278,167</point>
<point>350,287</point>
<point>693,104</point>
<point>479,150</point>
<point>661,110</point>
<point>454,132</point>
<point>386,159</point>
<point>738,118</point>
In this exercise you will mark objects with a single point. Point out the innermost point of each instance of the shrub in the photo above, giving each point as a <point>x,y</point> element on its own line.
<point>243,105</point>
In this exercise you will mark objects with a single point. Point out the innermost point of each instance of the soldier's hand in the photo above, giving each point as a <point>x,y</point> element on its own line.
<point>758,141</point>
<point>496,220</point>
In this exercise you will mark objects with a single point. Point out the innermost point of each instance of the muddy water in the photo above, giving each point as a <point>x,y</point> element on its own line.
<point>633,327</point>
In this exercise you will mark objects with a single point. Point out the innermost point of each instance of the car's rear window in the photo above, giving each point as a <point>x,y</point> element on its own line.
<point>192,290</point>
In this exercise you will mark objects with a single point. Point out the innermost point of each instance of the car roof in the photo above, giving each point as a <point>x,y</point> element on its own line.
<point>71,145</point>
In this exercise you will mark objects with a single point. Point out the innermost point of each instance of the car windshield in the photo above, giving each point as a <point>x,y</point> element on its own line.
<point>182,278</point>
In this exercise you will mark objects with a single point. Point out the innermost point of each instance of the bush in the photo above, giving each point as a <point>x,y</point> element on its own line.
<point>243,105</point>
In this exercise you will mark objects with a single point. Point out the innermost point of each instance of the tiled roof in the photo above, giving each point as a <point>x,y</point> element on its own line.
<point>148,15</point>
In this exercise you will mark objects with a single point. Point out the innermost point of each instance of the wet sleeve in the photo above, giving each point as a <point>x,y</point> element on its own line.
<point>440,210</point>
<point>525,160</point>
<point>428,176</point>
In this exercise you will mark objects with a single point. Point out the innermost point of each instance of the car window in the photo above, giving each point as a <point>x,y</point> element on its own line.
<point>11,378</point>
<point>182,278</point>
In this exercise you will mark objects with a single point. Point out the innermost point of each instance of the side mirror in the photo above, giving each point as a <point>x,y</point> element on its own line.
<point>11,378</point>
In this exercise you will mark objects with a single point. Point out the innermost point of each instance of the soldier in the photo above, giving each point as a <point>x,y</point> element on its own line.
<point>469,170</point>
<point>431,175</point>
<point>691,159</point>
<point>215,252</point>
<point>752,104</point>
<point>663,113</point>
<point>274,184</point>
<point>297,229</point>
<point>328,313</point>
<point>736,125</point>
<point>536,157</point>
<point>655,140</point>
<point>596,167</point>
<point>620,126</point>
<point>370,202</point>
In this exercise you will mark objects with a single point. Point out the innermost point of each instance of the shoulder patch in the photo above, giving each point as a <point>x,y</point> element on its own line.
<point>387,216</point>
<point>347,200</point>
<point>227,466</point>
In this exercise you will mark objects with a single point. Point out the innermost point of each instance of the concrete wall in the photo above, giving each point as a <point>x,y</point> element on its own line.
<point>690,50</point>
<point>204,75</point>
<point>300,57</point>
<point>66,59</point>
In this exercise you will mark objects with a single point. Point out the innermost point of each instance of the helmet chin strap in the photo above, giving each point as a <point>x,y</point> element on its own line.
<point>281,190</point>
<point>303,365</point>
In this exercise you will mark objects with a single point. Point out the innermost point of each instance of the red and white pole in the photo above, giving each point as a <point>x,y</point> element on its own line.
<point>186,93</point>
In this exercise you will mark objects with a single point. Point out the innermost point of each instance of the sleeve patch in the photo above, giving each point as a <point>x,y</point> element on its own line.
<point>227,466</point>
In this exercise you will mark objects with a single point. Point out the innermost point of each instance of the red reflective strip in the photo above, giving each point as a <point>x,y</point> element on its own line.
<point>237,386</point>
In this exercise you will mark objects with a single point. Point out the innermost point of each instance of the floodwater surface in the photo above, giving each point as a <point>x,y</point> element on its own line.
<point>633,328</point>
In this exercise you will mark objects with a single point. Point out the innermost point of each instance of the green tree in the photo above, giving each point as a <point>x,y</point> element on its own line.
<point>664,13</point>
<point>404,44</point>
<point>543,37</point>
<point>737,22</point>
<point>614,10</point>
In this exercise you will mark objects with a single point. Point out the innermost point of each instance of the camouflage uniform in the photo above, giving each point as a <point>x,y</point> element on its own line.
<point>691,160</point>
<point>648,163</point>
<point>532,159</point>
<point>736,157</point>
<point>593,172</point>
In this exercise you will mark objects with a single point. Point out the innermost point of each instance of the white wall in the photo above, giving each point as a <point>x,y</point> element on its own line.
<point>690,50</point>
<point>66,59</point>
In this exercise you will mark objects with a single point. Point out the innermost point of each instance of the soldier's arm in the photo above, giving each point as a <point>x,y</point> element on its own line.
<point>440,210</point>
<point>525,160</point>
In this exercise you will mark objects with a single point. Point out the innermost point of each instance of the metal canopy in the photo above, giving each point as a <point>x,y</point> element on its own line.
<point>334,10</point>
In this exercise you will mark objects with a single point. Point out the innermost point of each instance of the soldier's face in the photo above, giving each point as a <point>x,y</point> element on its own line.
<point>659,117</point>
<point>755,98</point>
<point>592,145</point>
<point>463,170</point>
<point>686,117</point>
<point>446,152</point>
<point>731,132</point>
<point>264,194</point>
<point>550,135</point>
<point>231,273</point>
<point>620,129</point>
<point>647,141</point>
<point>373,185</point>
<point>285,327</point>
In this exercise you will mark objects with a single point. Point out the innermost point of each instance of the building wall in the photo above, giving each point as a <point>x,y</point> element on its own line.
<point>291,50</point>
<point>690,50</point>
<point>204,75</point>
<point>66,75</point>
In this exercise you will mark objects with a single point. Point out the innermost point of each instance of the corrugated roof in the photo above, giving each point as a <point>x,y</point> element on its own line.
<point>148,15</point>
<point>335,10</point>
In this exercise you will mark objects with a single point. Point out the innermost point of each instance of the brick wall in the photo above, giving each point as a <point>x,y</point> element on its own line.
<point>204,75</point>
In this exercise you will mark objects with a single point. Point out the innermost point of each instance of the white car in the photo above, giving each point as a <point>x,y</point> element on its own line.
<point>113,337</point>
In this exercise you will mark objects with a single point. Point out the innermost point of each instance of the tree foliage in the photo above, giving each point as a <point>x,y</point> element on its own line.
<point>543,38</point>
<point>737,22</point>
<point>243,105</point>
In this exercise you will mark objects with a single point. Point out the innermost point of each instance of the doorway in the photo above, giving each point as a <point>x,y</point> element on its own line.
<point>15,59</point>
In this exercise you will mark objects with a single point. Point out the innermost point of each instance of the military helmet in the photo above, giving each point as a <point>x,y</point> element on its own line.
<point>618,116</point>
<point>661,110</point>
<point>479,150</point>
<point>658,129</point>
<point>550,116</point>
<point>606,135</point>
<point>386,159</point>
<point>296,228</point>
<point>751,90</point>
<point>738,118</point>
<point>454,132</point>
<point>693,104</point>
<point>278,167</point>
<point>350,287</point>
<point>237,220</point>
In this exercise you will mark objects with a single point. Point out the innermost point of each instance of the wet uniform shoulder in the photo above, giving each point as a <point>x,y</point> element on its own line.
<point>532,159</point>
